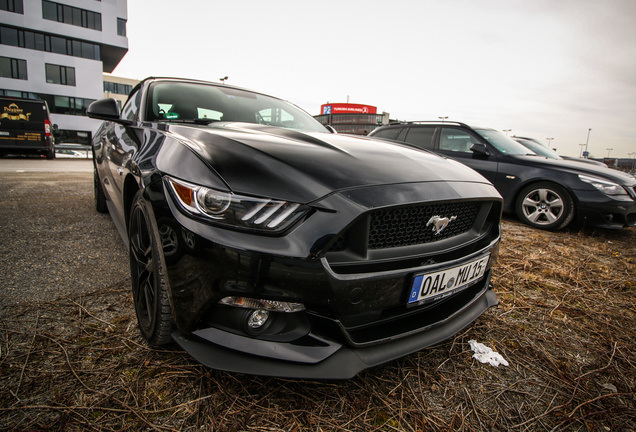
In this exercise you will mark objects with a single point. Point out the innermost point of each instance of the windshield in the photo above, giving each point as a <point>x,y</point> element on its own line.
<point>180,101</point>
<point>540,149</point>
<point>503,143</point>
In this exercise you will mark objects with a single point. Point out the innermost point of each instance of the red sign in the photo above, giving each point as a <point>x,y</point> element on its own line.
<point>345,108</point>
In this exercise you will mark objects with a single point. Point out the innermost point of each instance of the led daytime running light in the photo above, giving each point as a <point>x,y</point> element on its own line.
<point>263,214</point>
<point>268,305</point>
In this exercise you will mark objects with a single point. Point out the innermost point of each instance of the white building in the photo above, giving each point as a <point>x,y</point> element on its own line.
<point>57,51</point>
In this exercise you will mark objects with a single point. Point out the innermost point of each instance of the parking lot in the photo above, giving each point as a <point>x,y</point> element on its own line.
<point>72,358</point>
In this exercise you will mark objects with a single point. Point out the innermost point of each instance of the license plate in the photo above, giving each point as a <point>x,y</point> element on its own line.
<point>4,133</point>
<point>446,282</point>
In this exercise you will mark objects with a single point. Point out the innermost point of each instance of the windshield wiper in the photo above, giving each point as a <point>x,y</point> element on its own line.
<point>203,121</point>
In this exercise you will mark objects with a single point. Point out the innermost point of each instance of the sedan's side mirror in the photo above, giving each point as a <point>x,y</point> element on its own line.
<point>106,109</point>
<point>479,148</point>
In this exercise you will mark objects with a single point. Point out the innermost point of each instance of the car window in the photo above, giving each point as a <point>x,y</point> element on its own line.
<point>188,101</point>
<point>456,140</point>
<point>388,133</point>
<point>503,143</point>
<point>540,149</point>
<point>130,110</point>
<point>420,136</point>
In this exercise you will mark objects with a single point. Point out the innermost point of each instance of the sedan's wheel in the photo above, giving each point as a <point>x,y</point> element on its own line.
<point>171,243</point>
<point>169,240</point>
<point>545,205</point>
<point>98,192</point>
<point>148,284</point>
<point>189,239</point>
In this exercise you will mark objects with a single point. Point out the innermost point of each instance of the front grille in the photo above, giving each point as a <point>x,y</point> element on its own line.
<point>406,226</point>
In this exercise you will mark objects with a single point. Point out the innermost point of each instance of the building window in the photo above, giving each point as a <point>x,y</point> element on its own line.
<point>42,42</point>
<point>13,68</point>
<point>71,15</point>
<point>121,27</point>
<point>56,74</point>
<point>56,104</point>
<point>122,89</point>
<point>8,36</point>
<point>12,6</point>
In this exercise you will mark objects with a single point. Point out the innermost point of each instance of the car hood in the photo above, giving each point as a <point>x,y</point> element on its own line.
<point>302,166</point>
<point>576,167</point>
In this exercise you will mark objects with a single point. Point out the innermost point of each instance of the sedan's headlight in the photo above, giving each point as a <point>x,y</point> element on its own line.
<point>604,186</point>
<point>235,210</point>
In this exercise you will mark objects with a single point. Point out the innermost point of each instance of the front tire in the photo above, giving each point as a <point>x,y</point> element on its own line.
<point>545,205</point>
<point>150,294</point>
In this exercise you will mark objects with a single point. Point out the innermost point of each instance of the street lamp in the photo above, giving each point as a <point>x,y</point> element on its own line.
<point>582,145</point>
<point>223,79</point>
<point>549,139</point>
<point>443,118</point>
<point>588,141</point>
<point>608,151</point>
<point>507,130</point>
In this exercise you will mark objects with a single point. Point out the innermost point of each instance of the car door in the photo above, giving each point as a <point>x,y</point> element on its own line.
<point>119,147</point>
<point>456,143</point>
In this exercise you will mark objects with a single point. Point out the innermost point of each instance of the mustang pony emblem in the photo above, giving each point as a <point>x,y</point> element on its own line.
<point>440,223</point>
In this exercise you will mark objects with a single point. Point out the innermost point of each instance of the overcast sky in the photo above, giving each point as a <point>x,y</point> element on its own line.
<point>542,68</point>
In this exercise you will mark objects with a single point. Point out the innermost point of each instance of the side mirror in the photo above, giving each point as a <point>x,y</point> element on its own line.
<point>106,109</point>
<point>330,129</point>
<point>479,148</point>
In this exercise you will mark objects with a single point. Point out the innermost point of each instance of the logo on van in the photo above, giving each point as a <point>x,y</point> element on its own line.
<point>13,112</point>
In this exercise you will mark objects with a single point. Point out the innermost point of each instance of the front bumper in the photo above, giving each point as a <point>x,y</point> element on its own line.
<point>344,362</point>
<point>599,210</point>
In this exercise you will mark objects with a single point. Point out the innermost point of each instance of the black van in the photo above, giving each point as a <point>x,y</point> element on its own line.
<point>25,127</point>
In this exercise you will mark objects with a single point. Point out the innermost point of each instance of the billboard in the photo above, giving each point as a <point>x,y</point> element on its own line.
<point>347,108</point>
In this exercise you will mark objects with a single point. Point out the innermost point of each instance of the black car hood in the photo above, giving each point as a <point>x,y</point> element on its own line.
<point>575,167</point>
<point>302,167</point>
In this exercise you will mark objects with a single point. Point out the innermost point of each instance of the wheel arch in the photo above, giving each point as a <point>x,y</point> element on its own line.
<point>131,186</point>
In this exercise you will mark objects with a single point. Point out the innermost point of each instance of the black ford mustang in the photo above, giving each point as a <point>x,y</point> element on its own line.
<point>263,243</point>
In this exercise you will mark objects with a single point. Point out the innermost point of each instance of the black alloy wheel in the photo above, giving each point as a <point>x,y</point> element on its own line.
<point>148,284</point>
<point>98,192</point>
<point>545,205</point>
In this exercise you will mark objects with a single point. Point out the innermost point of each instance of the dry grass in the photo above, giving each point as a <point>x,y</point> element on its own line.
<point>566,324</point>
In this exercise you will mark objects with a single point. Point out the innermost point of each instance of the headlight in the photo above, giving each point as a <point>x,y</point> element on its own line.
<point>604,186</point>
<point>235,210</point>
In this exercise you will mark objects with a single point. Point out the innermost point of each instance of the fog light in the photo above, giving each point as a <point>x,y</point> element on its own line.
<point>258,318</point>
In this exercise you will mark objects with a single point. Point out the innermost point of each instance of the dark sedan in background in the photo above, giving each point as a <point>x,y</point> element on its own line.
<point>264,244</point>
<point>542,150</point>
<point>545,193</point>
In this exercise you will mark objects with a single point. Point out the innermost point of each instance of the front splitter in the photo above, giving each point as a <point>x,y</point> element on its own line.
<point>345,363</point>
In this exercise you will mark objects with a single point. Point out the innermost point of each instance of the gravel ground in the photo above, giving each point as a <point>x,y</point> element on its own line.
<point>54,244</point>
<point>72,358</point>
